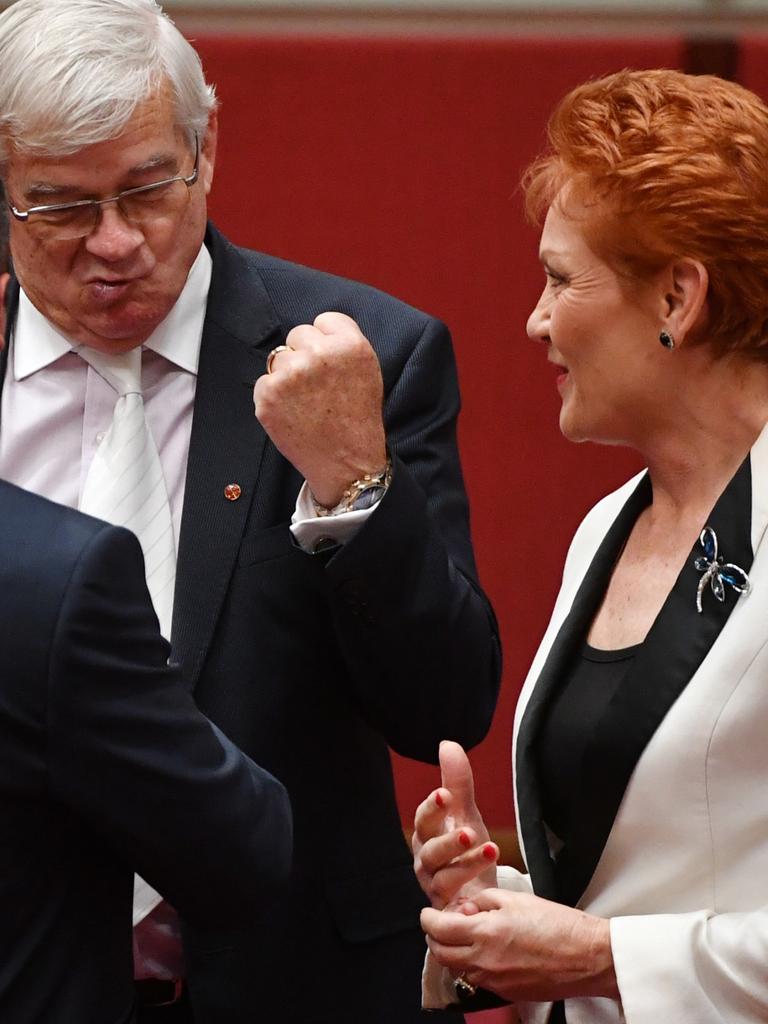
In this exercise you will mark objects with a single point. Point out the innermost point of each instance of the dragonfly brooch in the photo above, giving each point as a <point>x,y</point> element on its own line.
<point>717,572</point>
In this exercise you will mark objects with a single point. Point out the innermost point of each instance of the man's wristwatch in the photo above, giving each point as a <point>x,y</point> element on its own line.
<point>361,494</point>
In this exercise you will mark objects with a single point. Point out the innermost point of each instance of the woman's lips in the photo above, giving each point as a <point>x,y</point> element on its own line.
<point>562,377</point>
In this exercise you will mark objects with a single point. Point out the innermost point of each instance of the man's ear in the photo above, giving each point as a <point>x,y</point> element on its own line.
<point>208,151</point>
<point>685,298</point>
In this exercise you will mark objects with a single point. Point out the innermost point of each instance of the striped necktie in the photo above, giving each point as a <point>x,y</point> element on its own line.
<point>125,486</point>
<point>125,483</point>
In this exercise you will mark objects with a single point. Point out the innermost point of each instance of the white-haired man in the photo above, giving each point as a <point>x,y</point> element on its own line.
<point>314,645</point>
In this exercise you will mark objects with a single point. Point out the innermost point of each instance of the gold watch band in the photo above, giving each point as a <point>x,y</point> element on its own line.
<point>364,486</point>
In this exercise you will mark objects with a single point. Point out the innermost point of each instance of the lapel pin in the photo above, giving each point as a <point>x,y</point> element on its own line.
<point>232,492</point>
<point>717,572</point>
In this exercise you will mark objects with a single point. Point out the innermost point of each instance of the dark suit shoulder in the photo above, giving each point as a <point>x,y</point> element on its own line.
<point>46,551</point>
<point>293,282</point>
<point>289,293</point>
<point>40,542</point>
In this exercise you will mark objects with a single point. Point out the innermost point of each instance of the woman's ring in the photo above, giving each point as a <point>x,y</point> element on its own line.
<point>276,352</point>
<point>464,989</point>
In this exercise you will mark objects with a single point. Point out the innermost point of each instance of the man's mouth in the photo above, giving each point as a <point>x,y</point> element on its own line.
<point>105,291</point>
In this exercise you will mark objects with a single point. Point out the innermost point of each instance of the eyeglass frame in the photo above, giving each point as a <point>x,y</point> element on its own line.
<point>189,181</point>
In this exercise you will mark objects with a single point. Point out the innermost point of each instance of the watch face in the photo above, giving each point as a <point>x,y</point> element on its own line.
<point>368,497</point>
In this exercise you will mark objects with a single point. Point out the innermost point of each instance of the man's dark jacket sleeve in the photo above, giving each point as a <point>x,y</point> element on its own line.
<point>131,754</point>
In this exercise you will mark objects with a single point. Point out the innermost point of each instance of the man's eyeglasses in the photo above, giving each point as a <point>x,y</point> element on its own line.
<point>60,221</point>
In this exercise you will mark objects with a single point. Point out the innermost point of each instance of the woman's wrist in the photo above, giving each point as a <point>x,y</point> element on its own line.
<point>601,970</point>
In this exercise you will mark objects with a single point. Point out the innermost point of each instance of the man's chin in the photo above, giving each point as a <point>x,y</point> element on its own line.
<point>117,334</point>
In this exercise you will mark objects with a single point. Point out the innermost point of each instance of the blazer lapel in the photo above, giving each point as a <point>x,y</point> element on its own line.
<point>585,604</point>
<point>226,446</point>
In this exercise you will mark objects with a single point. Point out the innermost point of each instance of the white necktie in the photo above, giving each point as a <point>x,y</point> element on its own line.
<point>125,483</point>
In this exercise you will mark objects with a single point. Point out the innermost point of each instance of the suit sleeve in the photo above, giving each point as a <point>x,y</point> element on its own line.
<point>133,757</point>
<point>701,966</point>
<point>417,633</point>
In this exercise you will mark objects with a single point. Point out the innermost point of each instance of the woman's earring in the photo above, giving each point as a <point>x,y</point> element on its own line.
<point>667,340</point>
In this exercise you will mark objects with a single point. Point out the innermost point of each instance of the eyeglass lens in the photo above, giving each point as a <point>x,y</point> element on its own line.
<point>140,207</point>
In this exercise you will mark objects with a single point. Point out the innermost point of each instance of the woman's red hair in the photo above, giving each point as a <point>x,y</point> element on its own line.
<point>674,166</point>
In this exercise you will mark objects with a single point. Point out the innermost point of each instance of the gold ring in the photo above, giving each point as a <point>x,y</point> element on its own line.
<point>276,352</point>
<point>464,989</point>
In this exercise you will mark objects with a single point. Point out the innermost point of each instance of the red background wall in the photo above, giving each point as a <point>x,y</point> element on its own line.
<point>395,161</point>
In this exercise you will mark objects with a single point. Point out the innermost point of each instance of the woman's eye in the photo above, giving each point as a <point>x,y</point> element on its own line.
<point>554,279</point>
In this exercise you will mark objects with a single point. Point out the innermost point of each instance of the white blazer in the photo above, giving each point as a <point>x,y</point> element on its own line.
<point>674,843</point>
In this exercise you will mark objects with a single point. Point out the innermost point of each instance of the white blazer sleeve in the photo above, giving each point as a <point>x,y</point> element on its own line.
<point>700,967</point>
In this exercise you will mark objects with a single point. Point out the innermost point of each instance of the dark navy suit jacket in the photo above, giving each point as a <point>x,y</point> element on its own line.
<point>315,664</point>
<point>106,766</point>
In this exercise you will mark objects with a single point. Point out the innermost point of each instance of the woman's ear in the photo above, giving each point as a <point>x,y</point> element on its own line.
<point>685,298</point>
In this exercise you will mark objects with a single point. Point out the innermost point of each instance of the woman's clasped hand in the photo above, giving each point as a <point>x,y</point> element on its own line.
<point>518,945</point>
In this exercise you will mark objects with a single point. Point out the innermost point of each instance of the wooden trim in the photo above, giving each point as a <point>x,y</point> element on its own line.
<point>464,19</point>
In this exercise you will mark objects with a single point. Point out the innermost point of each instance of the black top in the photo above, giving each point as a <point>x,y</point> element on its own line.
<point>589,684</point>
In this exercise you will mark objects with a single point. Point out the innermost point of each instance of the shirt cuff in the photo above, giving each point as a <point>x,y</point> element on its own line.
<point>512,879</point>
<point>314,532</point>
<point>145,899</point>
<point>437,989</point>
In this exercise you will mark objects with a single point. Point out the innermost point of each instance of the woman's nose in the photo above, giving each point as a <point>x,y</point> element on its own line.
<point>537,326</point>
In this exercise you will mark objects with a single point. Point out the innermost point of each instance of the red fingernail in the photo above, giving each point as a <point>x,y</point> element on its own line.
<point>489,851</point>
<point>464,839</point>
<point>439,800</point>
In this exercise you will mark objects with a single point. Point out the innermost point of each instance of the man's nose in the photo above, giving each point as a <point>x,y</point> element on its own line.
<point>113,238</point>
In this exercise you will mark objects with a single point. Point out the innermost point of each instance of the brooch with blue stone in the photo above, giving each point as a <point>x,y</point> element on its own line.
<point>717,572</point>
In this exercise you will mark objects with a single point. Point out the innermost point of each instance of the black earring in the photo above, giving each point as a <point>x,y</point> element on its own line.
<point>667,340</point>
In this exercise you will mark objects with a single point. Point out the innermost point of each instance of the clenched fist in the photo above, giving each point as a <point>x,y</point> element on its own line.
<point>322,405</point>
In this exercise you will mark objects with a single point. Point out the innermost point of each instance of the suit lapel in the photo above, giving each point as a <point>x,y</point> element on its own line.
<point>570,636</point>
<point>226,446</point>
<point>12,300</point>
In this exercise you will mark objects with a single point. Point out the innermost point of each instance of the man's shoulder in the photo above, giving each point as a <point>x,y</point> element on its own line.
<point>41,536</point>
<point>301,292</point>
<point>284,275</point>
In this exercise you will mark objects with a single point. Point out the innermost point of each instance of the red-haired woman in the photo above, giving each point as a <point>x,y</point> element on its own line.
<point>641,736</point>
